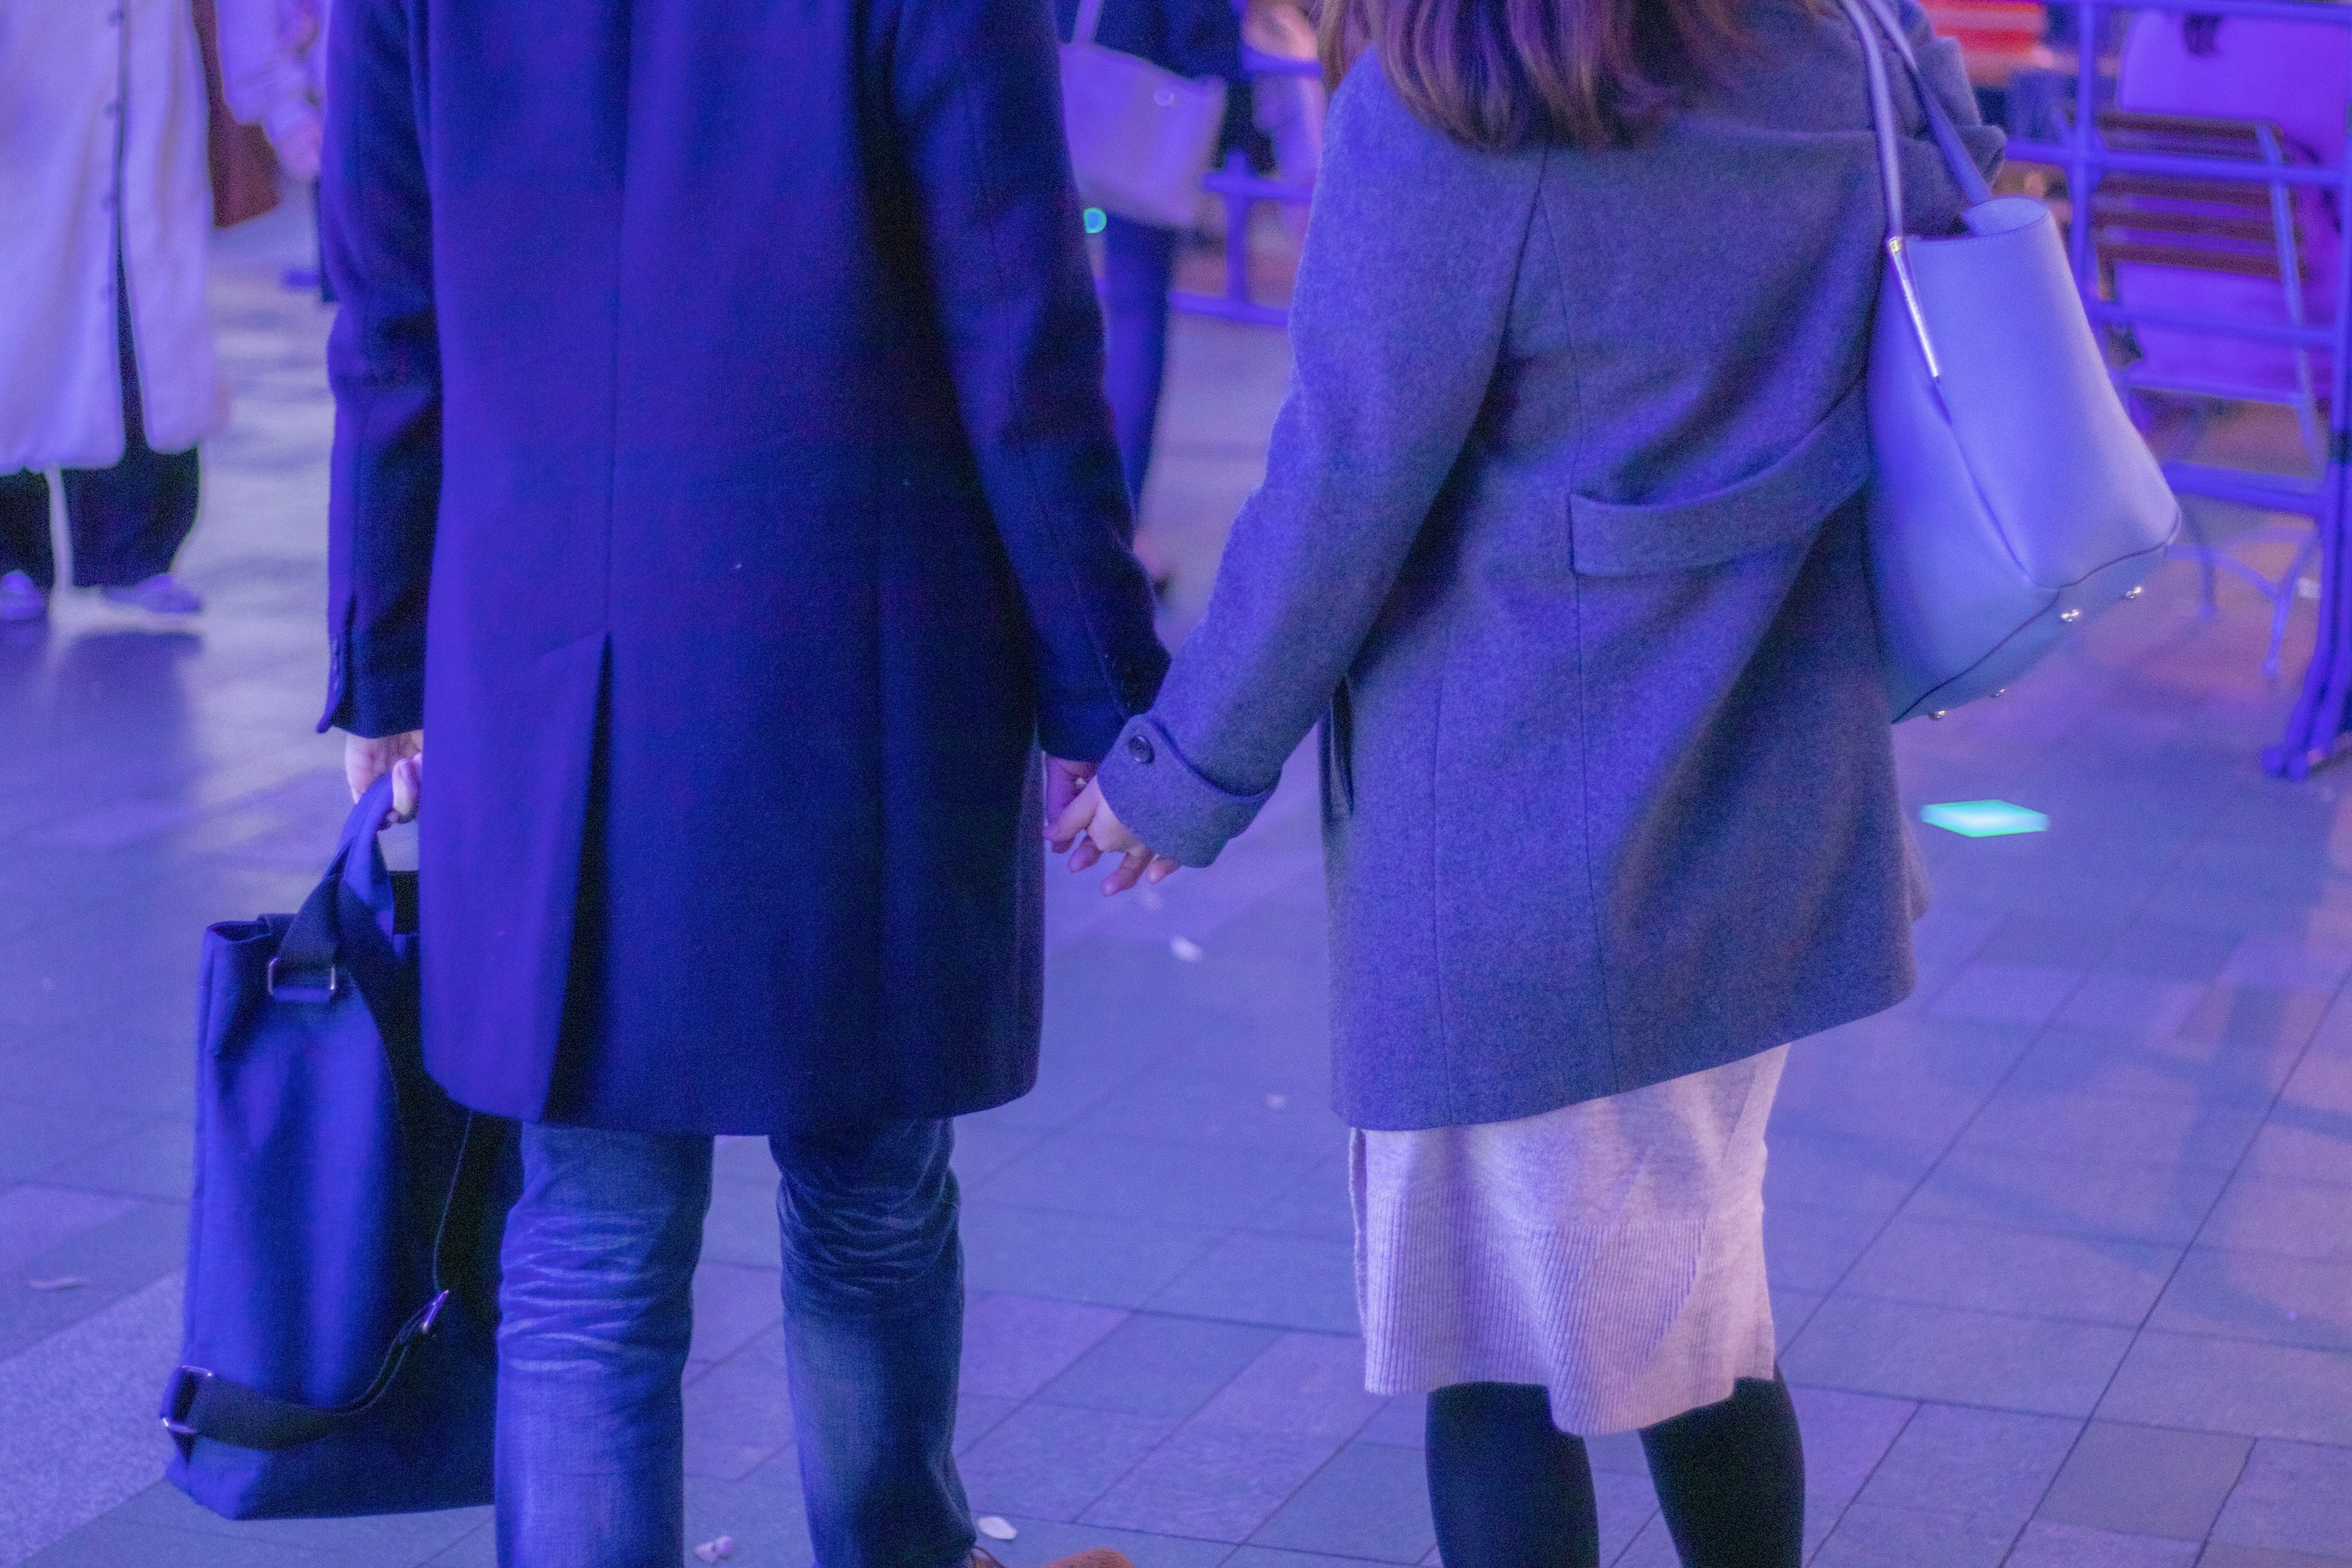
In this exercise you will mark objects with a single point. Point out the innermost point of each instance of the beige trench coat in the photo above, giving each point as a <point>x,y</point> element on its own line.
<point>101,106</point>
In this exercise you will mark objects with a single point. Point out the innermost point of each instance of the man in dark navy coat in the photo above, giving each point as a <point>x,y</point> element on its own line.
<point>722,477</point>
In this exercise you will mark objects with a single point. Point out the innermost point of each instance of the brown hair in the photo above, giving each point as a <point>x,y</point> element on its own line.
<point>1497,74</point>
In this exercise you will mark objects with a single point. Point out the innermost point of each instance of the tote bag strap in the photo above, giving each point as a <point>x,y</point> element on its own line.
<point>1089,18</point>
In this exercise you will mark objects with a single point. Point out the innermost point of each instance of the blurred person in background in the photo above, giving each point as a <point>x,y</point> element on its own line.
<point>107,367</point>
<point>723,477</point>
<point>1562,543</point>
<point>1194,38</point>
<point>273,57</point>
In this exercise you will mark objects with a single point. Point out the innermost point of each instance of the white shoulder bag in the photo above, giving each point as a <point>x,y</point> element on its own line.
<point>2011,495</point>
<point>1141,137</point>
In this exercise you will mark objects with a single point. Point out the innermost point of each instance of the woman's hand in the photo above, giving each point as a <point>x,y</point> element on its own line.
<point>366,761</point>
<point>1090,830</point>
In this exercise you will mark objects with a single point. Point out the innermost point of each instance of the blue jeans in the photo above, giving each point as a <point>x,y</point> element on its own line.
<point>1139,266</point>
<point>598,1311</point>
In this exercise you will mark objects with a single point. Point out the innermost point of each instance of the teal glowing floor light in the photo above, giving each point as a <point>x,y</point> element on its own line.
<point>1983,818</point>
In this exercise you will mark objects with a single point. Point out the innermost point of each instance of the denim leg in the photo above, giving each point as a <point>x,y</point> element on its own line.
<point>25,528</point>
<point>1139,265</point>
<point>874,1331</point>
<point>597,1310</point>
<point>128,523</point>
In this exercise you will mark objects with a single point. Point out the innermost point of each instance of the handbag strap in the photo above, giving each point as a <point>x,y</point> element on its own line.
<point>312,963</point>
<point>1089,18</point>
<point>1870,19</point>
<point>198,1403</point>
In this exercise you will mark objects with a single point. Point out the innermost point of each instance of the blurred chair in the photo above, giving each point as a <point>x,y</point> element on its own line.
<point>2244,90</point>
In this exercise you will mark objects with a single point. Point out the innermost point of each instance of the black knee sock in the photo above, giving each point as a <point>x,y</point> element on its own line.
<point>1731,1479</point>
<point>1507,1489</point>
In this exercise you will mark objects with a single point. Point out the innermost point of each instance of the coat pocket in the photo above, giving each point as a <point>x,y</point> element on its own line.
<point>1339,753</point>
<point>1783,504</point>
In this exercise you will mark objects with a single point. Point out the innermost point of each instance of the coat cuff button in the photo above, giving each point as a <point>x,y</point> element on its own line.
<point>1138,748</point>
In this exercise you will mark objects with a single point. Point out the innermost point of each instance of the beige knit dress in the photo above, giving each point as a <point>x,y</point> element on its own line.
<point>1611,1251</point>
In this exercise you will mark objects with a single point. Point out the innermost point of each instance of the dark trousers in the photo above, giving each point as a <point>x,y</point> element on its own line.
<point>1139,265</point>
<point>127,522</point>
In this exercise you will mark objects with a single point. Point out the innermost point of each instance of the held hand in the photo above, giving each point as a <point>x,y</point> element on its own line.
<point>1090,830</point>
<point>1063,781</point>
<point>366,761</point>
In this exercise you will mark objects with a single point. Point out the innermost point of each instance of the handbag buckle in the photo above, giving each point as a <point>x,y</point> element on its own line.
<point>294,993</point>
<point>186,1383</point>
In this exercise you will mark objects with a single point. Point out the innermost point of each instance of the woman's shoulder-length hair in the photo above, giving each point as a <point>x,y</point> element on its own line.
<point>1499,74</point>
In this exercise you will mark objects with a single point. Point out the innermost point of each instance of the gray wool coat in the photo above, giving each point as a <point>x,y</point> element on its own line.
<point>1561,539</point>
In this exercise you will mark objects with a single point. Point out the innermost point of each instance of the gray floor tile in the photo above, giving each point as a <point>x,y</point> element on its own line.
<point>1810,1248</point>
<point>1846,1434</point>
<point>2120,1003</point>
<point>740,1412</point>
<point>1157,1365</point>
<point>732,1306</point>
<point>1304,1382</point>
<point>2220,1555</point>
<point>2048,1545</point>
<point>2090,1280</point>
<point>765,1522</point>
<point>388,1541</point>
<point>1991,1467</point>
<point>2098,1129</point>
<point>1104,1170</point>
<point>1898,1349</point>
<point>33,1219</point>
<point>1870,1536</point>
<point>2234,1385</point>
<point>1370,1500</point>
<point>1214,1482</point>
<point>2031,1190</point>
<point>1052,1460</point>
<point>2255,1013</point>
<point>1989,992</point>
<point>2294,1497</point>
<point>2155,1065</point>
<point>1075,1257</point>
<point>1013,1345</point>
<point>2288,963</point>
<point>155,1159</point>
<point>2258,1295</point>
<point>104,1543</point>
<point>2147,1480</point>
<point>1864,1176</point>
<point>2296,1219</point>
<point>1627,1505</point>
<point>1285,1281</point>
<point>2297,1144</point>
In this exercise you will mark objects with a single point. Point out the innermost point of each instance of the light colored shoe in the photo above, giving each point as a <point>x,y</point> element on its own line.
<point>161,595</point>
<point>21,599</point>
<point>1092,1557</point>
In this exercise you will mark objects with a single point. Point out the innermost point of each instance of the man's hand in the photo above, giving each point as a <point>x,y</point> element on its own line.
<point>402,756</point>
<point>1090,830</point>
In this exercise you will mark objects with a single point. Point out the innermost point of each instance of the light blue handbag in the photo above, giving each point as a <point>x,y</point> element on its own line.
<point>2011,495</point>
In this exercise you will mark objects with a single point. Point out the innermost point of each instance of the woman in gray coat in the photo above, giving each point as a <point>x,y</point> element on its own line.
<point>1561,539</point>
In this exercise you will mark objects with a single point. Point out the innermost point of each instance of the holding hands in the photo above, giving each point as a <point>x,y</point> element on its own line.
<point>1086,828</point>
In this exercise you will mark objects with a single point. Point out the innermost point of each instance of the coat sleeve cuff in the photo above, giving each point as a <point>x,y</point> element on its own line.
<point>1166,801</point>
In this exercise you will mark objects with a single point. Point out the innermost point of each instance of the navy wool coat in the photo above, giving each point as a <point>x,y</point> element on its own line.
<point>1560,536</point>
<point>722,479</point>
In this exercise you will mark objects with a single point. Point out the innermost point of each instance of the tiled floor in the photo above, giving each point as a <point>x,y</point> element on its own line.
<point>2062,1246</point>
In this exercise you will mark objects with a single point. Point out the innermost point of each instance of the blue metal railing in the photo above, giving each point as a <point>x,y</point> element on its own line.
<point>2322,708</point>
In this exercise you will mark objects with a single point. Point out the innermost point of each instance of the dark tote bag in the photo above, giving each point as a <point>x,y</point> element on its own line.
<point>342,1289</point>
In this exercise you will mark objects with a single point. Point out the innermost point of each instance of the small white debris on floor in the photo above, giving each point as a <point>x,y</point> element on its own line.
<point>993,1526</point>
<point>1185,949</point>
<point>1277,1101</point>
<point>712,1551</point>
